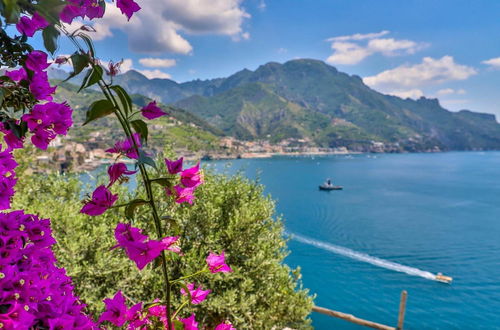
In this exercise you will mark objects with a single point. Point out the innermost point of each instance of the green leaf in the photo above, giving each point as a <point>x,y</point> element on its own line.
<point>88,42</point>
<point>92,77</point>
<point>79,62</point>
<point>145,159</point>
<point>50,36</point>
<point>164,182</point>
<point>141,127</point>
<point>99,109</point>
<point>50,9</point>
<point>130,208</point>
<point>178,325</point>
<point>125,99</point>
<point>11,11</point>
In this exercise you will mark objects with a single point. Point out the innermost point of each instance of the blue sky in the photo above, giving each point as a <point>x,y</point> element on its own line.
<point>448,49</point>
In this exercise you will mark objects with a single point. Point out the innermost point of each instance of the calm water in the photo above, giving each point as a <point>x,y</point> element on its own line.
<point>428,212</point>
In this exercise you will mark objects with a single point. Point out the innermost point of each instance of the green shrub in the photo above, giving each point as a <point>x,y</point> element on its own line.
<point>230,214</point>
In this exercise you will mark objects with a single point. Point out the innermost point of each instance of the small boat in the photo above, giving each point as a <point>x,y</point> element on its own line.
<point>330,187</point>
<point>444,279</point>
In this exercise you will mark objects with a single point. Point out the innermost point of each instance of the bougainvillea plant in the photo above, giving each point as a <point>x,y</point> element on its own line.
<point>34,292</point>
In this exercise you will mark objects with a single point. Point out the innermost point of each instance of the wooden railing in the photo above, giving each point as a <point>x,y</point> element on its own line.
<point>366,323</point>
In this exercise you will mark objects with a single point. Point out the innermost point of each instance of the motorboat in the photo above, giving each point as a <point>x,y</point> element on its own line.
<point>329,186</point>
<point>443,279</point>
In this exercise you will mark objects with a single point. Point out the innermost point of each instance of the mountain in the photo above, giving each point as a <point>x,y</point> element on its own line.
<point>181,129</point>
<point>308,99</point>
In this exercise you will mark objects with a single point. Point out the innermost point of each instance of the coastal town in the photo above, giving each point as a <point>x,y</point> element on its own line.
<point>90,154</point>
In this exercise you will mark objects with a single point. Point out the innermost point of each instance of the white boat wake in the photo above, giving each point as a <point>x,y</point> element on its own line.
<point>364,257</point>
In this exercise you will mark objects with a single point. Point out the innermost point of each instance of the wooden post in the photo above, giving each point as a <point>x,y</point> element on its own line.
<point>351,318</point>
<point>402,309</point>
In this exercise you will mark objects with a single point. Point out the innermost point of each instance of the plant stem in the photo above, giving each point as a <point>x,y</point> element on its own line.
<point>179,309</point>
<point>145,177</point>
<point>188,276</point>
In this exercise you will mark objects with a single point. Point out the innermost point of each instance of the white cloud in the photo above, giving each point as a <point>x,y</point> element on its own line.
<point>493,62</point>
<point>262,5</point>
<point>411,93</point>
<point>158,62</point>
<point>349,50</point>
<point>347,53</point>
<point>128,65</point>
<point>157,27</point>
<point>152,74</point>
<point>429,71</point>
<point>359,36</point>
<point>450,91</point>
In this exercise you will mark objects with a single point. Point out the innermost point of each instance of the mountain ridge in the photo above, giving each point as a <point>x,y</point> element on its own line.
<point>309,99</point>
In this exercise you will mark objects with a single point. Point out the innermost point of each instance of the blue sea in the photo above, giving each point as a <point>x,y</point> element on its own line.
<point>399,219</point>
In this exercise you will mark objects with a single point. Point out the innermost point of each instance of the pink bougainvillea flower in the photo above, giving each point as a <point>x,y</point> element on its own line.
<point>36,61</point>
<point>144,252</point>
<point>116,172</point>
<point>7,162</point>
<point>182,194</point>
<point>126,147</point>
<point>40,87</point>
<point>125,235</point>
<point>192,177</point>
<point>169,243</point>
<point>47,120</point>
<point>197,294</point>
<point>116,310</point>
<point>217,263</point>
<point>17,75</point>
<point>190,323</point>
<point>152,111</point>
<point>128,7</point>
<point>138,247</point>
<point>226,325</point>
<point>136,318</point>
<point>6,191</point>
<point>174,166</point>
<point>29,26</point>
<point>41,138</point>
<point>12,141</point>
<point>70,12</point>
<point>60,60</point>
<point>113,68</point>
<point>102,199</point>
<point>93,9</point>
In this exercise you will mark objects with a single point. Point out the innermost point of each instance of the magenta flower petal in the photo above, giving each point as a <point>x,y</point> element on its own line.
<point>36,61</point>
<point>126,147</point>
<point>116,172</point>
<point>17,75</point>
<point>183,195</point>
<point>6,191</point>
<point>174,166</point>
<point>190,323</point>
<point>93,9</point>
<point>152,111</point>
<point>102,199</point>
<point>116,310</point>
<point>192,177</point>
<point>226,325</point>
<point>40,87</point>
<point>217,264</point>
<point>197,294</point>
<point>125,235</point>
<point>70,12</point>
<point>128,7</point>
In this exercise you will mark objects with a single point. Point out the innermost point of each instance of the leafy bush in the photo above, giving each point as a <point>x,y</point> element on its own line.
<point>229,214</point>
